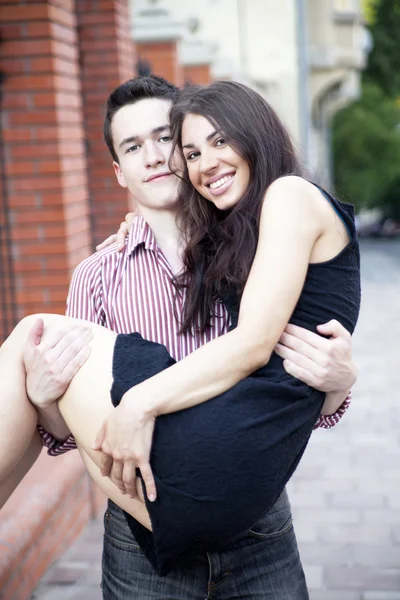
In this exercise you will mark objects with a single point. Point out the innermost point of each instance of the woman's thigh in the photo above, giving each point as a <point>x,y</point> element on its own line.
<point>86,404</point>
<point>134,507</point>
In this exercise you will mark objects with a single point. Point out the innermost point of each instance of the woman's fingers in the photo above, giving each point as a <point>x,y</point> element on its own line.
<point>148,480</point>
<point>107,242</point>
<point>129,478</point>
<point>122,235</point>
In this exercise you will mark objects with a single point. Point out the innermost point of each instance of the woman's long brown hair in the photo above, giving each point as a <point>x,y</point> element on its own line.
<point>220,245</point>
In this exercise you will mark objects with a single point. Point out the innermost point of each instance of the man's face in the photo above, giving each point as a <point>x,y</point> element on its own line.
<point>142,141</point>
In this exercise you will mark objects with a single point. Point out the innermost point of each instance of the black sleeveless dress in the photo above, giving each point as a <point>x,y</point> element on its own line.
<point>221,465</point>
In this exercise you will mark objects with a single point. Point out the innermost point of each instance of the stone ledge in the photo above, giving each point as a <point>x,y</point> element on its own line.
<point>45,514</point>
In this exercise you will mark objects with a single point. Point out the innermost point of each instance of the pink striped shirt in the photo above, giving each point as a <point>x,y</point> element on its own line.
<point>133,290</point>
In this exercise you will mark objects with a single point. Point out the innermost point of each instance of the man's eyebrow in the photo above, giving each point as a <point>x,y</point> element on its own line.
<point>128,140</point>
<point>160,129</point>
<point>208,138</point>
<point>135,138</point>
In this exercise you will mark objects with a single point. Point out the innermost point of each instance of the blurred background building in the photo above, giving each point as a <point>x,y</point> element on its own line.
<point>59,60</point>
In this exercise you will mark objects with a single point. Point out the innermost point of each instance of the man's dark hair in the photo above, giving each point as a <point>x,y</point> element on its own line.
<point>133,90</point>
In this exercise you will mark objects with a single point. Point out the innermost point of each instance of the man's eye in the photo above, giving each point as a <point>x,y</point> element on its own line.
<point>165,139</point>
<point>133,148</point>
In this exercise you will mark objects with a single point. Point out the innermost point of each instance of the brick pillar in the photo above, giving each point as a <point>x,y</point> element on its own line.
<point>163,59</point>
<point>44,151</point>
<point>198,74</point>
<point>7,279</point>
<point>108,59</point>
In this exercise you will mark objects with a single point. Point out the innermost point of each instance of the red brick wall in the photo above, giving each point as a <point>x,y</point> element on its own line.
<point>198,74</point>
<point>163,60</point>
<point>107,59</point>
<point>44,150</point>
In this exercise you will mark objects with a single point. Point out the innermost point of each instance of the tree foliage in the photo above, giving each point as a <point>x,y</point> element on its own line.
<point>383,67</point>
<point>366,146</point>
<point>366,134</point>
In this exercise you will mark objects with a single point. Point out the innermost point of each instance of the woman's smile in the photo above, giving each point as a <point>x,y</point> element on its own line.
<point>215,169</point>
<point>220,184</point>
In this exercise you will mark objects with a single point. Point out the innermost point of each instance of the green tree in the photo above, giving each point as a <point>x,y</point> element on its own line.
<point>366,147</point>
<point>384,59</point>
<point>366,134</point>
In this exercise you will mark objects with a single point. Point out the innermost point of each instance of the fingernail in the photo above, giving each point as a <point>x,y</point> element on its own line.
<point>152,497</point>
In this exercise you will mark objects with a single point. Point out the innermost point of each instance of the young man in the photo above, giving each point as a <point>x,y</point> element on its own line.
<point>133,290</point>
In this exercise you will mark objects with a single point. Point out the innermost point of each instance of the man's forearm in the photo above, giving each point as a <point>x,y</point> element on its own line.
<point>53,422</point>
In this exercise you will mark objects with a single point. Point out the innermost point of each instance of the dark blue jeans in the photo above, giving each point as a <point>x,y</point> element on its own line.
<point>263,565</point>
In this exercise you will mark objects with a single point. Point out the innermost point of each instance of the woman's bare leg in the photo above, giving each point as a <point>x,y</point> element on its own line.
<point>84,407</point>
<point>9,484</point>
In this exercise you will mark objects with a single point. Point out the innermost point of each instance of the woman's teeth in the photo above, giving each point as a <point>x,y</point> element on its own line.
<point>220,182</point>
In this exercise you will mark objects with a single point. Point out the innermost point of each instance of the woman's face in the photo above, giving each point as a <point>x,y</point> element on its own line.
<point>216,171</point>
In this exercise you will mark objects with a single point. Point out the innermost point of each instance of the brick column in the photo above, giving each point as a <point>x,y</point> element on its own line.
<point>44,151</point>
<point>107,59</point>
<point>197,74</point>
<point>163,59</point>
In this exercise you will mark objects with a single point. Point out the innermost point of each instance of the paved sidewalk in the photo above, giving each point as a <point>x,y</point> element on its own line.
<point>346,493</point>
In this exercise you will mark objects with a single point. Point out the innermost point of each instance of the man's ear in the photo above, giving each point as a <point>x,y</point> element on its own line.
<point>119,174</point>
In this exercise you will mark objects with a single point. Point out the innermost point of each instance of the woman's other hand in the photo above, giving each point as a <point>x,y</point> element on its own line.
<point>120,236</point>
<point>125,441</point>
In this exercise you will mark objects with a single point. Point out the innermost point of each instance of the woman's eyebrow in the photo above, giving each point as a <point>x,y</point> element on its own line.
<point>208,138</point>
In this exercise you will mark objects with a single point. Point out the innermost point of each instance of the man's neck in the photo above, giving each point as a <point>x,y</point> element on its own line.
<point>165,230</point>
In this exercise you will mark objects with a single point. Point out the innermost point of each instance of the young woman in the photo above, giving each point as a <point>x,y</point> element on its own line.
<point>262,238</point>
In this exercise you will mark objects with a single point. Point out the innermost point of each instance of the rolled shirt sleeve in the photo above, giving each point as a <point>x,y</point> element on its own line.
<point>84,302</point>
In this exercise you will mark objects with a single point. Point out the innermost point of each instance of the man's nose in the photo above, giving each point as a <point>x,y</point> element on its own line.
<point>153,155</point>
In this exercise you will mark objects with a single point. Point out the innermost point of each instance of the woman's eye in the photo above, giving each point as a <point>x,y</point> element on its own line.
<point>220,142</point>
<point>192,155</point>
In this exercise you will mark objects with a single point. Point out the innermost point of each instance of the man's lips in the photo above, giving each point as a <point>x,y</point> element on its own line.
<point>158,176</point>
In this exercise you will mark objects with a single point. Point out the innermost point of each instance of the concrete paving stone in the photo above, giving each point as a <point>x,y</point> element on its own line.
<point>396,534</point>
<point>366,532</point>
<point>314,499</point>
<point>91,576</point>
<point>334,595</point>
<point>305,514</point>
<point>356,500</point>
<point>394,499</point>
<point>389,486</point>
<point>362,578</point>
<point>384,515</point>
<point>374,555</point>
<point>314,576</point>
<point>324,554</point>
<point>306,533</point>
<point>85,593</point>
<point>86,551</point>
<point>53,592</point>
<point>375,595</point>
<point>63,575</point>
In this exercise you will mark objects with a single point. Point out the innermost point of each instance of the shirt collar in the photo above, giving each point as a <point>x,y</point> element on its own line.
<point>140,233</point>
